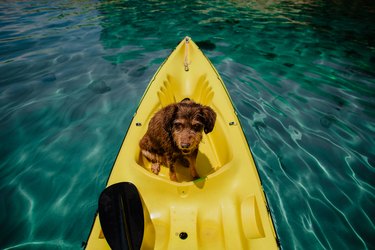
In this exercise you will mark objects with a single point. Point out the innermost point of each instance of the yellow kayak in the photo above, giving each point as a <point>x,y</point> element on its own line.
<point>224,209</point>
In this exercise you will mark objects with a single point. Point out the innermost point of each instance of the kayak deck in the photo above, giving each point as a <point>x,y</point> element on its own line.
<point>225,208</point>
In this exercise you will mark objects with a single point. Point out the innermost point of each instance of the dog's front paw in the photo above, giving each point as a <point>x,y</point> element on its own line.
<point>155,168</point>
<point>173,176</point>
<point>194,173</point>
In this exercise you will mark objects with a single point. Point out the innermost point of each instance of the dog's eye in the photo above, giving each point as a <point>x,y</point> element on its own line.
<point>177,125</point>
<point>198,127</point>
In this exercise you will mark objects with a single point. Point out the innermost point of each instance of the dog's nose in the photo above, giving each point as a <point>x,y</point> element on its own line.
<point>185,145</point>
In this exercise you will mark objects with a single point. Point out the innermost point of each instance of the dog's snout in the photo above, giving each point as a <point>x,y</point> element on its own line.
<point>185,145</point>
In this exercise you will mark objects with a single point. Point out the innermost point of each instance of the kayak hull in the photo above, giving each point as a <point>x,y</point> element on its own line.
<point>224,209</point>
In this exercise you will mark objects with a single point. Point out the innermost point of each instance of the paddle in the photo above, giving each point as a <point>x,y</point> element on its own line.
<point>121,216</point>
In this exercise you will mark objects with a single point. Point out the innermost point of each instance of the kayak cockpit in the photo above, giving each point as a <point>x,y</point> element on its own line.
<point>214,149</point>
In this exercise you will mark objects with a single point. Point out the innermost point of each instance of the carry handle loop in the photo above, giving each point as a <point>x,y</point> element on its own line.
<point>186,60</point>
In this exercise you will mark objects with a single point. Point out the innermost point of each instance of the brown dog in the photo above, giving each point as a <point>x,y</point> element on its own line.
<point>174,133</point>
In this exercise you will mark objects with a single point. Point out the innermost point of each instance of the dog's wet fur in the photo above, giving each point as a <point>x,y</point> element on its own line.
<point>174,134</point>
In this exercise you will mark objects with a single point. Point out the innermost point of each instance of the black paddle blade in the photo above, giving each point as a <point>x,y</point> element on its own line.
<point>121,216</point>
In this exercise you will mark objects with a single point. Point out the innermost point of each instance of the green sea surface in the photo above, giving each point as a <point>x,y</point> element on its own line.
<point>301,75</point>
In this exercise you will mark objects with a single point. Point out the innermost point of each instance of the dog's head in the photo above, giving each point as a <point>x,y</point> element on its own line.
<point>186,121</point>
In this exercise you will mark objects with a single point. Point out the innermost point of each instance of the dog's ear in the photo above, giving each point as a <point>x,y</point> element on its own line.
<point>209,118</point>
<point>169,114</point>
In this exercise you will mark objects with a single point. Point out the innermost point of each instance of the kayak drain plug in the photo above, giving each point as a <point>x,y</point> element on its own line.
<point>183,235</point>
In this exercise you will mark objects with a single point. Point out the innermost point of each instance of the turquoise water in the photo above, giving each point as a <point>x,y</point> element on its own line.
<point>301,74</point>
